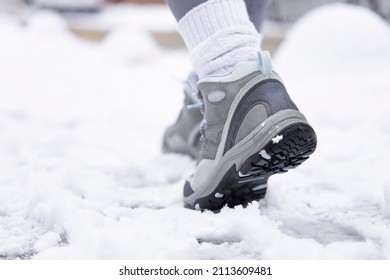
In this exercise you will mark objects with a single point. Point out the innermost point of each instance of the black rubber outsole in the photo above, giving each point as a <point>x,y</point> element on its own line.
<point>287,150</point>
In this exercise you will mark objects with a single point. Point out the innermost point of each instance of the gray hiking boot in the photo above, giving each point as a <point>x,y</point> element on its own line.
<point>252,130</point>
<point>183,136</point>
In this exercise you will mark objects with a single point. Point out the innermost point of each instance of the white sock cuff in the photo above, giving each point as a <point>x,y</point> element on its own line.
<point>224,49</point>
<point>212,17</point>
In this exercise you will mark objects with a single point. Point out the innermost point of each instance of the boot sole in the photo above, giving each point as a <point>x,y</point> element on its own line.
<point>241,185</point>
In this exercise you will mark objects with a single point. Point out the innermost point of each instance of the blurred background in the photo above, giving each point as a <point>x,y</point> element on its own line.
<point>94,19</point>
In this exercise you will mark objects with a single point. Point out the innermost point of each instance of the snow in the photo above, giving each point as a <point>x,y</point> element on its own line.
<point>277,139</point>
<point>264,154</point>
<point>82,175</point>
<point>386,207</point>
<point>48,240</point>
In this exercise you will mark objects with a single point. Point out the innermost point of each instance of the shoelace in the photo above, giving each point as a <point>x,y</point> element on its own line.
<point>194,94</point>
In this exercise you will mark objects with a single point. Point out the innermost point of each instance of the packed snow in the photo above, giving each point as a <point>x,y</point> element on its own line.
<point>82,173</point>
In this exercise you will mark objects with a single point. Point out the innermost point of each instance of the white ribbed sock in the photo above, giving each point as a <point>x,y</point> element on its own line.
<point>219,34</point>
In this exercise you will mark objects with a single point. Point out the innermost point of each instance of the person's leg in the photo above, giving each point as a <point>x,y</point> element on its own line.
<point>183,136</point>
<point>180,7</point>
<point>230,27</point>
<point>257,9</point>
<point>251,128</point>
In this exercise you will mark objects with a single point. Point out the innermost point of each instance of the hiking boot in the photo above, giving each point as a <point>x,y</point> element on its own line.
<point>252,130</point>
<point>183,136</point>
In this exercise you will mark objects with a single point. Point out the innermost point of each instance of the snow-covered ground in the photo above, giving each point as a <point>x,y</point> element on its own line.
<point>82,175</point>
